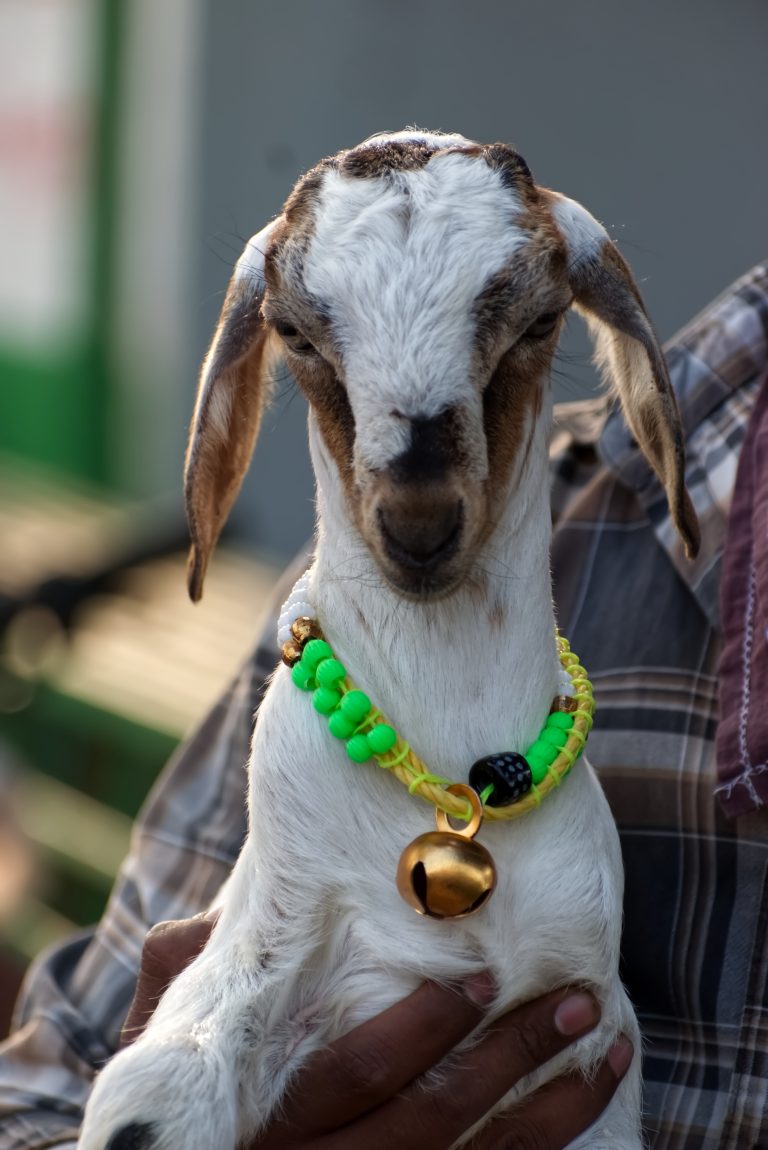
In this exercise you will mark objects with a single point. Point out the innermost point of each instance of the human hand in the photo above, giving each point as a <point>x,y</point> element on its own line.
<point>364,1091</point>
<point>168,948</point>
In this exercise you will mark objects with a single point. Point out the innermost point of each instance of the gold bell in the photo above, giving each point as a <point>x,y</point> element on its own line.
<point>444,873</point>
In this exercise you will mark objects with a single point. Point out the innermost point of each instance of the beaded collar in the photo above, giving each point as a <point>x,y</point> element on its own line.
<point>510,784</point>
<point>442,874</point>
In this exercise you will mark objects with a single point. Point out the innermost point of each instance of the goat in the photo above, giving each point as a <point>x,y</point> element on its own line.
<point>416,285</point>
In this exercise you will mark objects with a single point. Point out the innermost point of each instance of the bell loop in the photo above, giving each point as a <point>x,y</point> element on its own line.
<point>442,818</point>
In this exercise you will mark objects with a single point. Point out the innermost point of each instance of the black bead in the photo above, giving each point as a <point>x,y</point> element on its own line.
<point>509,774</point>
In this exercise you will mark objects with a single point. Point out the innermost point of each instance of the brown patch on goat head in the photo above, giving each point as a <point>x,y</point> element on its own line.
<point>376,159</point>
<point>511,406</point>
<point>527,279</point>
<point>333,412</point>
<point>300,205</point>
<point>287,295</point>
<point>284,259</point>
<point>510,165</point>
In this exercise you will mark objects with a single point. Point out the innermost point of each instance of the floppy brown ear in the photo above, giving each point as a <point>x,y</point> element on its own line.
<point>628,352</point>
<point>233,389</point>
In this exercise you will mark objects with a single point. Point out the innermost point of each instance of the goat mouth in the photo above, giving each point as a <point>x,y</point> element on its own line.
<point>422,585</point>
<point>420,556</point>
<point>423,588</point>
<point>423,546</point>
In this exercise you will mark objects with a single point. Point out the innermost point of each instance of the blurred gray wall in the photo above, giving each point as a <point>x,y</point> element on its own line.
<point>653,114</point>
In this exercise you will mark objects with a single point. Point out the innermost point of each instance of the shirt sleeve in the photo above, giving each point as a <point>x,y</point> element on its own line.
<point>75,998</point>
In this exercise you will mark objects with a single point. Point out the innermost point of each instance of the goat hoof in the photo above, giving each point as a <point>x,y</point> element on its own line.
<point>134,1136</point>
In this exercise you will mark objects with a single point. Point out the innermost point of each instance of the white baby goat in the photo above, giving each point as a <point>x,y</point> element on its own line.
<point>416,285</point>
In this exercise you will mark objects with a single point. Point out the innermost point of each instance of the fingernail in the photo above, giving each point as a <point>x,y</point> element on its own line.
<point>575,1013</point>
<point>209,915</point>
<point>480,989</point>
<point>620,1056</point>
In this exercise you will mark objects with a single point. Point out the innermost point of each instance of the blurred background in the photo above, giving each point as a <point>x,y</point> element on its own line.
<point>141,143</point>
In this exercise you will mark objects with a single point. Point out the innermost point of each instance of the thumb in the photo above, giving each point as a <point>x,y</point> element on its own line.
<point>168,948</point>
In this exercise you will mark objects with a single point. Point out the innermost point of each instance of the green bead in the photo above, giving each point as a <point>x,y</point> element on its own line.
<point>340,726</point>
<point>553,735</point>
<point>381,739</point>
<point>330,672</point>
<point>539,768</point>
<point>325,700</point>
<point>358,749</point>
<point>560,719</point>
<point>355,705</point>
<point>315,651</point>
<point>302,677</point>
<point>542,750</point>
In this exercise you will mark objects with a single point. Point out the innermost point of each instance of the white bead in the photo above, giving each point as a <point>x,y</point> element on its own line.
<point>294,608</point>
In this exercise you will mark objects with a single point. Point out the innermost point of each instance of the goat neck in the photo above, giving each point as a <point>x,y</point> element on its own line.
<point>460,676</point>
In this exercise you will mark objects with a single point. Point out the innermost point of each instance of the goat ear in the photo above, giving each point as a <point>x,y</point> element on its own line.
<point>233,389</point>
<point>627,350</point>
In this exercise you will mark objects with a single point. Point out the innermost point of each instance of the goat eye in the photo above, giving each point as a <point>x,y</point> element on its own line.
<point>543,326</point>
<point>295,340</point>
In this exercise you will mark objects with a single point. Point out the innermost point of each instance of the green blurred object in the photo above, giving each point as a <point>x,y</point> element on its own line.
<point>100,677</point>
<point>55,395</point>
<point>64,388</point>
<point>55,384</point>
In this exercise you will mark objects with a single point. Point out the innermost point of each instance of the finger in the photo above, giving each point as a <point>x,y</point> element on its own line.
<point>168,948</point>
<point>373,1062</point>
<point>471,1085</point>
<point>555,1115</point>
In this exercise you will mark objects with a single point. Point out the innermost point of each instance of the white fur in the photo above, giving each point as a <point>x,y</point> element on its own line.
<point>583,234</point>
<point>250,266</point>
<point>406,332</point>
<point>313,936</point>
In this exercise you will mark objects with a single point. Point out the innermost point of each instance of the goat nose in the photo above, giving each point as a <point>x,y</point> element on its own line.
<point>431,451</point>
<point>424,539</point>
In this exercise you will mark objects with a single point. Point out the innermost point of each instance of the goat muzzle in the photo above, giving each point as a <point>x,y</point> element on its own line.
<point>421,534</point>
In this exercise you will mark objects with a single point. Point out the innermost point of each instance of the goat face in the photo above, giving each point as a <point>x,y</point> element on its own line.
<point>416,285</point>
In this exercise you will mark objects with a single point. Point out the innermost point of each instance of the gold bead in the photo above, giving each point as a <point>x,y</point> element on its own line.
<point>291,653</point>
<point>303,629</point>
<point>564,703</point>
<point>445,875</point>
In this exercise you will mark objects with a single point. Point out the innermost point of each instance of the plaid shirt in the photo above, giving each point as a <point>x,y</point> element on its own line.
<point>645,622</point>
